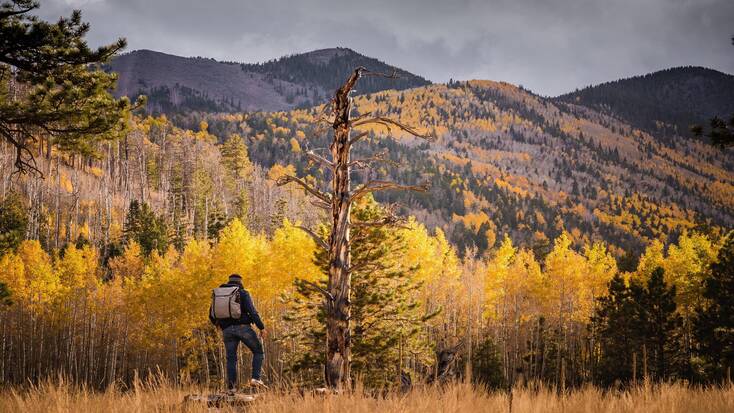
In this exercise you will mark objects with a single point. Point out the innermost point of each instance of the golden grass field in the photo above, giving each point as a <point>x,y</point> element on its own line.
<point>668,398</point>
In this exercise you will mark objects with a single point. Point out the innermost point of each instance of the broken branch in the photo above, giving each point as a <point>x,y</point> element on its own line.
<point>319,159</point>
<point>357,138</point>
<point>320,242</point>
<point>315,287</point>
<point>366,163</point>
<point>283,180</point>
<point>389,123</point>
<point>374,186</point>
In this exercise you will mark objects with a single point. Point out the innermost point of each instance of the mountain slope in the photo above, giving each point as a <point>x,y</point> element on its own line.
<point>667,102</point>
<point>178,84</point>
<point>510,162</point>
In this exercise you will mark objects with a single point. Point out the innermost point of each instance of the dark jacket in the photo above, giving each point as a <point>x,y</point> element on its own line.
<point>249,313</point>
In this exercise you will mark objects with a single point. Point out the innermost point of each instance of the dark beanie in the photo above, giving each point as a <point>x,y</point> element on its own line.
<point>235,278</point>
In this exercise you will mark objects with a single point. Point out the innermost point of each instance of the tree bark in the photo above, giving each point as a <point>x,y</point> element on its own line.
<point>338,335</point>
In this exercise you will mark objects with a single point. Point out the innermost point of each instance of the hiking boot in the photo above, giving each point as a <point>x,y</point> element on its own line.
<point>258,384</point>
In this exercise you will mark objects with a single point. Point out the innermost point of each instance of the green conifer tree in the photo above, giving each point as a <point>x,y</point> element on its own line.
<point>714,323</point>
<point>143,226</point>
<point>13,222</point>
<point>660,327</point>
<point>387,321</point>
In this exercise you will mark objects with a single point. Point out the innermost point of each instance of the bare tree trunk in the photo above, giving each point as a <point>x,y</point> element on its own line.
<point>339,201</point>
<point>338,308</point>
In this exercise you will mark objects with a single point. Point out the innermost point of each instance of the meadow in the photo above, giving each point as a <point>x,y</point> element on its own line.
<point>160,396</point>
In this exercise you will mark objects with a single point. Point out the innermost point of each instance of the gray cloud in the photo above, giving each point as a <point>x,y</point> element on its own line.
<point>547,46</point>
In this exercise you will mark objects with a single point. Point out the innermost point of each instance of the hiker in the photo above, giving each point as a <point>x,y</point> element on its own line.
<point>233,311</point>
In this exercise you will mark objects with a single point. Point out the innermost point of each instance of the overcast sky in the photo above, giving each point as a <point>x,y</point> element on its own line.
<point>548,46</point>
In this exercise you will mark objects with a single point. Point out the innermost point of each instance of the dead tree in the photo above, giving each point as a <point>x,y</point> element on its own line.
<point>339,201</point>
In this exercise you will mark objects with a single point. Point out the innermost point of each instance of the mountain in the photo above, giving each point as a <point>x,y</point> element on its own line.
<point>180,84</point>
<point>508,162</point>
<point>666,102</point>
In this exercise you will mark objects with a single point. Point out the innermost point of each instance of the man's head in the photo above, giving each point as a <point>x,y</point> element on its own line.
<point>235,279</point>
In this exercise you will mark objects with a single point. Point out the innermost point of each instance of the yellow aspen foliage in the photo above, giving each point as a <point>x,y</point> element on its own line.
<point>78,267</point>
<point>450,264</point>
<point>291,255</point>
<point>151,303</point>
<point>513,283</point>
<point>498,269</point>
<point>161,267</point>
<point>278,171</point>
<point>686,266</point>
<point>129,265</point>
<point>238,251</point>
<point>96,171</point>
<point>564,272</point>
<point>601,268</point>
<point>651,259</point>
<point>12,274</point>
<point>186,284</point>
<point>439,270</point>
<point>295,146</point>
<point>43,282</point>
<point>196,265</point>
<point>65,183</point>
<point>435,262</point>
<point>524,286</point>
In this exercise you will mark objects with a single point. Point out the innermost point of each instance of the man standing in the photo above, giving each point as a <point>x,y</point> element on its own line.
<point>237,328</point>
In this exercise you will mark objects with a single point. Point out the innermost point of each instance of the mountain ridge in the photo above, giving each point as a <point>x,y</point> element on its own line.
<point>667,101</point>
<point>178,84</point>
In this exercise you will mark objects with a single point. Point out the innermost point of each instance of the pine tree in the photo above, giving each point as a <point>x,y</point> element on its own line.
<point>714,323</point>
<point>486,365</point>
<point>660,326</point>
<point>144,227</point>
<point>387,320</point>
<point>637,327</point>
<point>614,326</point>
<point>4,295</point>
<point>46,84</point>
<point>13,221</point>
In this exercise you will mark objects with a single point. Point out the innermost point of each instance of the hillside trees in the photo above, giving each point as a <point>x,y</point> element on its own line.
<point>501,150</point>
<point>48,91</point>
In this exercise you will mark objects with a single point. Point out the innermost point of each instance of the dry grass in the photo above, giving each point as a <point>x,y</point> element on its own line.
<point>669,398</point>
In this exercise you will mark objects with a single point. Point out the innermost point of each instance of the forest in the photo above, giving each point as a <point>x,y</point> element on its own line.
<point>556,248</point>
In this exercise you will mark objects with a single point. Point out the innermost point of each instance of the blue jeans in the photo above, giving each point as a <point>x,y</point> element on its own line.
<point>232,336</point>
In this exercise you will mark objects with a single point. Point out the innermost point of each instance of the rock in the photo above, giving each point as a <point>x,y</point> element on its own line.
<point>220,399</point>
